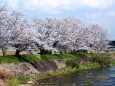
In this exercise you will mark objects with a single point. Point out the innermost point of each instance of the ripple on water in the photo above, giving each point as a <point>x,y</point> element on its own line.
<point>104,77</point>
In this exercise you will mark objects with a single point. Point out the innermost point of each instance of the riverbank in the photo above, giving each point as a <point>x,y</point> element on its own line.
<point>35,70</point>
<point>82,67</point>
<point>67,70</point>
<point>26,79</point>
<point>100,77</point>
<point>30,81</point>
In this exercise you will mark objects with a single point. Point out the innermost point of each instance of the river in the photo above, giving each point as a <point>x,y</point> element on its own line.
<point>103,77</point>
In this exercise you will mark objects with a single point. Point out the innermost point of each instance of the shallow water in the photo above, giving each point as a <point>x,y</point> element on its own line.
<point>104,77</point>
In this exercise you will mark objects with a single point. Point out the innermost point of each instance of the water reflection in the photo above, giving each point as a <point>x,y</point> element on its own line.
<point>105,77</point>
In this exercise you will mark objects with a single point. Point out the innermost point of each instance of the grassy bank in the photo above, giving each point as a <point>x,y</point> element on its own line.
<point>22,58</point>
<point>30,58</point>
<point>71,65</point>
<point>68,70</point>
<point>15,81</point>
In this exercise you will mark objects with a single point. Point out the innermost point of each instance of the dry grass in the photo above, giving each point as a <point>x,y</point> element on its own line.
<point>4,76</point>
<point>11,52</point>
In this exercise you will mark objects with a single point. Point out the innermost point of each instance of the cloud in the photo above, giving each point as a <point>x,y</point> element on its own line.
<point>58,5</point>
<point>101,15</point>
<point>101,18</point>
<point>100,4</point>
<point>12,3</point>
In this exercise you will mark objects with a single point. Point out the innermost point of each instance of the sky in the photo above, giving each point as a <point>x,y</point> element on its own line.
<point>101,12</point>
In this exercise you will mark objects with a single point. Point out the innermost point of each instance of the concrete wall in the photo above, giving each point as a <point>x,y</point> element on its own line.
<point>36,68</point>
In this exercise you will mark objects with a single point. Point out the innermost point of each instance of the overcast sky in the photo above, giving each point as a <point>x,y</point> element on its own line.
<point>100,12</point>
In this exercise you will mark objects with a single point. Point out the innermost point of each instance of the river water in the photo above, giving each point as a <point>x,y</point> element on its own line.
<point>103,77</point>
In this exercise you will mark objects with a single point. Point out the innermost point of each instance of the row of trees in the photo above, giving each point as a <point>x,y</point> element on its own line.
<point>49,34</point>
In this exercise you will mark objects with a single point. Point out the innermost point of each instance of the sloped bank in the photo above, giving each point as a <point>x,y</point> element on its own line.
<point>37,68</point>
<point>31,71</point>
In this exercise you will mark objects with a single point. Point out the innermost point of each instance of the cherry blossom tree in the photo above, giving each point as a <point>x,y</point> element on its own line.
<point>22,34</point>
<point>4,31</point>
<point>93,38</point>
<point>45,29</point>
<point>67,30</point>
<point>14,30</point>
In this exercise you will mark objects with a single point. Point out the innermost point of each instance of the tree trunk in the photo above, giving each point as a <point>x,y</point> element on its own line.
<point>64,50</point>
<point>73,51</point>
<point>17,53</point>
<point>43,51</point>
<point>4,52</point>
<point>60,50</point>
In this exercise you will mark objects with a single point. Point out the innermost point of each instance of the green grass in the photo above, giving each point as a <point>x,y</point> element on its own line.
<point>111,53</point>
<point>44,75</point>
<point>15,81</point>
<point>112,62</point>
<point>33,57</point>
<point>62,56</point>
<point>23,58</point>
<point>88,84</point>
<point>88,66</point>
<point>63,72</point>
<point>90,54</point>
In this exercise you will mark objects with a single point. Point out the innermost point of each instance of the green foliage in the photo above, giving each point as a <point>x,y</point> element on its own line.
<point>102,59</point>
<point>88,84</point>
<point>72,64</point>
<point>87,66</point>
<point>112,62</point>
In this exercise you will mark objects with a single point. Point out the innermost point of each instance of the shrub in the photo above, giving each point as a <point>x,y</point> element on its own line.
<point>102,59</point>
<point>71,63</point>
<point>4,76</point>
<point>88,84</point>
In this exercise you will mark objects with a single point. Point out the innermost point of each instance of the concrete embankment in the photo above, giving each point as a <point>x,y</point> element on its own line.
<point>36,68</point>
